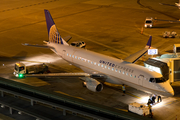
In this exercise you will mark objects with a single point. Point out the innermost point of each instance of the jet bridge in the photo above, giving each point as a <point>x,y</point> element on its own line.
<point>167,64</point>
<point>158,66</point>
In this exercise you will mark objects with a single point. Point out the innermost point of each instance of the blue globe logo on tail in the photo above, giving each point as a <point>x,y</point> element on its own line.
<point>54,36</point>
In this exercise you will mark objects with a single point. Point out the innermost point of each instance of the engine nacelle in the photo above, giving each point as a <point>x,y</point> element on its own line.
<point>93,85</point>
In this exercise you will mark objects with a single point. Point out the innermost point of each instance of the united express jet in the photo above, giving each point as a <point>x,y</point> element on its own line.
<point>98,67</point>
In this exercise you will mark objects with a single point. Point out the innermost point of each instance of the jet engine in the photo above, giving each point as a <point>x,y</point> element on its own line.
<point>93,85</point>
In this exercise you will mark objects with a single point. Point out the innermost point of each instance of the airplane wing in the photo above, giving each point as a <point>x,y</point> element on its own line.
<point>59,75</point>
<point>167,4</point>
<point>134,57</point>
<point>65,75</point>
<point>167,20</point>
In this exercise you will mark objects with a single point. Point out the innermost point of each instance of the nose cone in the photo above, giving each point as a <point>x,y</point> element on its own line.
<point>167,89</point>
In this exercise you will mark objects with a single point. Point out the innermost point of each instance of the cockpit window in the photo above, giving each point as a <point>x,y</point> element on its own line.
<point>157,80</point>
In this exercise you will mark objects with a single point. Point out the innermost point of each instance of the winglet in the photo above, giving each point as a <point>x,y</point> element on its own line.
<point>148,45</point>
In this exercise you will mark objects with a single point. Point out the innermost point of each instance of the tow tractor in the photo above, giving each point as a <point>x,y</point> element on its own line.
<point>21,69</point>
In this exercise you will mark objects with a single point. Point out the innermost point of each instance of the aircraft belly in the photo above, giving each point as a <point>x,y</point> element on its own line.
<point>87,70</point>
<point>76,65</point>
<point>113,80</point>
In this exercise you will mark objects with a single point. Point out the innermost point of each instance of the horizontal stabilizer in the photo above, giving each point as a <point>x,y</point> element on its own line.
<point>67,38</point>
<point>35,45</point>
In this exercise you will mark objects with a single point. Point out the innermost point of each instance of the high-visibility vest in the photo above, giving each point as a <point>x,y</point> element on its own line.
<point>123,88</point>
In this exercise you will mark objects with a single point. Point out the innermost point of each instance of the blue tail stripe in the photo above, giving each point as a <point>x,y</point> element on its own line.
<point>58,39</point>
<point>61,40</point>
<point>49,20</point>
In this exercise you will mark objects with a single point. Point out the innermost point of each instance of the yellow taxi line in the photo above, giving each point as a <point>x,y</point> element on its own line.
<point>69,95</point>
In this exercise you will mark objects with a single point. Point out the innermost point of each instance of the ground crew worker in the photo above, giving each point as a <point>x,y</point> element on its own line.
<point>159,99</point>
<point>150,110</point>
<point>123,89</point>
<point>153,98</point>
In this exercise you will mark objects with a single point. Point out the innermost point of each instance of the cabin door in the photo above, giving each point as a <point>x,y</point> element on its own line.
<point>63,53</point>
<point>140,79</point>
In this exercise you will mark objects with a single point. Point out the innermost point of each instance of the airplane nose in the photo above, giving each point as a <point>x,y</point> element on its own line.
<point>172,93</point>
<point>167,88</point>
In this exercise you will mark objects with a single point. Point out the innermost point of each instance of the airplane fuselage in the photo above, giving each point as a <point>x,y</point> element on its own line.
<point>116,71</point>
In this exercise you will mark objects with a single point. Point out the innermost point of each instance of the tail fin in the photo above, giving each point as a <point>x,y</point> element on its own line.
<point>53,33</point>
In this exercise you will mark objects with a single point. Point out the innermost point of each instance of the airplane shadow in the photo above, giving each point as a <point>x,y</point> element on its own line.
<point>20,56</point>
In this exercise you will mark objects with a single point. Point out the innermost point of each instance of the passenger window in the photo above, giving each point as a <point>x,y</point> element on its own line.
<point>78,58</point>
<point>67,54</point>
<point>105,67</point>
<point>109,68</point>
<point>126,73</point>
<point>94,63</point>
<point>112,69</point>
<point>99,64</point>
<point>119,71</point>
<point>130,75</point>
<point>73,56</point>
<point>123,72</point>
<point>116,70</point>
<point>102,65</point>
<point>134,76</point>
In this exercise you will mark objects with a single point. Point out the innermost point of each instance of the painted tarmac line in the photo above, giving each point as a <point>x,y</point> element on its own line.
<point>69,95</point>
<point>122,109</point>
<point>133,95</point>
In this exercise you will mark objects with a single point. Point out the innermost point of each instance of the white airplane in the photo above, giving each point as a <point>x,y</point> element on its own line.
<point>177,4</point>
<point>108,69</point>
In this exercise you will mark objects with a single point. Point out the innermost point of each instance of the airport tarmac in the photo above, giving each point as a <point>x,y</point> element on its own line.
<point>110,27</point>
